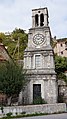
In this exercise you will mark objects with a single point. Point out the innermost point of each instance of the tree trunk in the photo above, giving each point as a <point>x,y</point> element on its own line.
<point>9,101</point>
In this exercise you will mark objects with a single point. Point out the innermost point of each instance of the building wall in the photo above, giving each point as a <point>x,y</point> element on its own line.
<point>48,87</point>
<point>61,48</point>
<point>38,60</point>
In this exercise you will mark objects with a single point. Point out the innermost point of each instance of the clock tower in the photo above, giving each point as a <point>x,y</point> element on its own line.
<point>39,62</point>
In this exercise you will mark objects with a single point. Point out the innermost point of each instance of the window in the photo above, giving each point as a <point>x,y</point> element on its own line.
<point>37,61</point>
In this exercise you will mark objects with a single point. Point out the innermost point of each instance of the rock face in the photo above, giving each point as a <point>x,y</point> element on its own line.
<point>39,62</point>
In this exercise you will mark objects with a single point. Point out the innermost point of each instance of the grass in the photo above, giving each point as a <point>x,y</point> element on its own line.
<point>29,115</point>
<point>24,115</point>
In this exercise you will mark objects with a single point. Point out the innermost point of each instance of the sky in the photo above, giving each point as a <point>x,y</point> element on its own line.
<point>18,14</point>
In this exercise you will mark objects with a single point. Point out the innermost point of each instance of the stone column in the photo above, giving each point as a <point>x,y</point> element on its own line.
<point>34,62</point>
<point>48,37</point>
<point>52,61</point>
<point>39,20</point>
<point>31,61</point>
<point>48,61</point>
<point>33,21</point>
<point>25,62</point>
<point>45,20</point>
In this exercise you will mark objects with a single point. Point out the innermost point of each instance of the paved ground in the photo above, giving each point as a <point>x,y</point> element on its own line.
<point>54,116</point>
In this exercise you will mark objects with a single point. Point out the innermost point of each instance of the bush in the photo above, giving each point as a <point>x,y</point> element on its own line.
<point>39,101</point>
<point>9,114</point>
<point>23,112</point>
<point>2,109</point>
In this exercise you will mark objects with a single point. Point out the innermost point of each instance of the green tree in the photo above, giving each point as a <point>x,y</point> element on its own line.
<point>11,42</point>
<point>61,67</point>
<point>12,79</point>
<point>21,39</point>
<point>2,36</point>
<point>17,33</point>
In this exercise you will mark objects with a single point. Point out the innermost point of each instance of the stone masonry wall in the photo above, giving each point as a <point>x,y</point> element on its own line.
<point>30,109</point>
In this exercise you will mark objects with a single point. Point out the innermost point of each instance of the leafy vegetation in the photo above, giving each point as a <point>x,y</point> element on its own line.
<point>61,67</point>
<point>12,79</point>
<point>31,115</point>
<point>2,109</point>
<point>9,114</point>
<point>15,42</point>
<point>39,100</point>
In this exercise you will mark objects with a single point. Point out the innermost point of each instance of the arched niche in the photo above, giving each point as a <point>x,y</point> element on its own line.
<point>36,20</point>
<point>42,19</point>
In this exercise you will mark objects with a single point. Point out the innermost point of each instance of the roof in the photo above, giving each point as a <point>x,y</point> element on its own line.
<point>39,8</point>
<point>61,39</point>
<point>2,58</point>
<point>4,55</point>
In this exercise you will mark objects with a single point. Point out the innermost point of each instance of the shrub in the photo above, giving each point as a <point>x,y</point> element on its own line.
<point>23,112</point>
<point>39,101</point>
<point>2,109</point>
<point>9,114</point>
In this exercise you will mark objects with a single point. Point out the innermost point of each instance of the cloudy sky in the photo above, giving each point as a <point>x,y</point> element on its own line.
<point>17,13</point>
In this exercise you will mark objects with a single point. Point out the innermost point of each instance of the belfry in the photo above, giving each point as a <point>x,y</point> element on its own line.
<point>38,60</point>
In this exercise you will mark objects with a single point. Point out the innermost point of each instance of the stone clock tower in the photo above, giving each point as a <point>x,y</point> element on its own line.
<point>38,60</point>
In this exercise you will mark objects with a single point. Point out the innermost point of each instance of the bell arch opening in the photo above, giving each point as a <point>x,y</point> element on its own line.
<point>36,20</point>
<point>42,20</point>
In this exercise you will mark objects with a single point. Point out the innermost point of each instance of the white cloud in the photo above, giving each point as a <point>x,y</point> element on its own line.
<point>17,13</point>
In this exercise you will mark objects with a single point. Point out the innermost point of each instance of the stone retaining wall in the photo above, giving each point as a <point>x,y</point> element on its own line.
<point>29,109</point>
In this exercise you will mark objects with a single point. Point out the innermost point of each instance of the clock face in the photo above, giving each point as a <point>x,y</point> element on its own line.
<point>38,39</point>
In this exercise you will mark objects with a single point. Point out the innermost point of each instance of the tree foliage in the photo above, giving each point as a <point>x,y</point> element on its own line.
<point>61,67</point>
<point>11,42</point>
<point>12,79</point>
<point>2,36</point>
